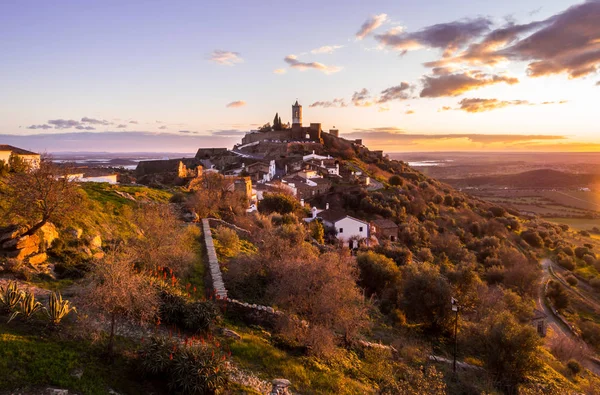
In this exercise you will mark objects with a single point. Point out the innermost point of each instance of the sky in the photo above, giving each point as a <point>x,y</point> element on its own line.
<point>173,76</point>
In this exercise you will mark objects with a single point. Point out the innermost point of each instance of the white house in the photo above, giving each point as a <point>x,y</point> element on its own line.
<point>348,229</point>
<point>308,157</point>
<point>6,151</point>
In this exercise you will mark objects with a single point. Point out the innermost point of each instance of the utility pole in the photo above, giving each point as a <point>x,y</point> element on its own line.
<point>455,308</point>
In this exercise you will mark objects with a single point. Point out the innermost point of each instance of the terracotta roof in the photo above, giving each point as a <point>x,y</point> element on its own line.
<point>332,215</point>
<point>384,224</point>
<point>18,151</point>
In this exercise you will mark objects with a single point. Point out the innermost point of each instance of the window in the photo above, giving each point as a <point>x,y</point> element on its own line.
<point>360,229</point>
<point>341,230</point>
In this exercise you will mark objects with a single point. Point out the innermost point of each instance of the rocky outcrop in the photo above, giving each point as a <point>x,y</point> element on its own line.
<point>48,233</point>
<point>15,244</point>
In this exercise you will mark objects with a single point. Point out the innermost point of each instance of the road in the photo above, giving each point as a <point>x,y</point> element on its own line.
<point>555,324</point>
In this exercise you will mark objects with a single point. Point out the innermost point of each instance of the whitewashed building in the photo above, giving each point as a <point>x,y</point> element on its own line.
<point>31,158</point>
<point>349,230</point>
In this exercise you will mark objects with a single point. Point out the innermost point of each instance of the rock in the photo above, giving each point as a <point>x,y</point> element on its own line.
<point>191,217</point>
<point>74,232</point>
<point>98,255</point>
<point>229,333</point>
<point>28,242</point>
<point>38,258</point>
<point>280,386</point>
<point>85,250</point>
<point>78,373</point>
<point>48,233</point>
<point>96,242</point>
<point>21,254</point>
<point>56,391</point>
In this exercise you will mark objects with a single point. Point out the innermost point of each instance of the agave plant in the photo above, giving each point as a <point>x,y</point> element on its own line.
<point>10,296</point>
<point>28,306</point>
<point>58,308</point>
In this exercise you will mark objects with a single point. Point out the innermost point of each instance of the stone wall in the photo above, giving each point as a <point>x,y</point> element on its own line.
<point>252,313</point>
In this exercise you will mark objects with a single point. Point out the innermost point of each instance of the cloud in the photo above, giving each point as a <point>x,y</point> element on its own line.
<point>391,135</point>
<point>598,83</point>
<point>445,108</point>
<point>370,24</point>
<point>455,83</point>
<point>227,58</point>
<point>398,92</point>
<point>383,109</point>
<point>409,112</point>
<point>163,127</point>
<point>188,132</point>
<point>338,102</point>
<point>228,133</point>
<point>236,104</point>
<point>326,49</point>
<point>93,121</point>
<point>362,98</point>
<point>279,71</point>
<point>446,36</point>
<point>64,123</point>
<point>568,42</point>
<point>293,61</point>
<point>121,126</point>
<point>481,105</point>
<point>81,127</point>
<point>555,102</point>
<point>44,127</point>
<point>134,122</point>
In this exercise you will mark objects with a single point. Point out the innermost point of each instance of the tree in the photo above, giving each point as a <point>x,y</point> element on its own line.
<point>162,241</point>
<point>120,293</point>
<point>317,231</point>
<point>426,296</point>
<point>508,349</point>
<point>395,180</point>
<point>277,122</point>
<point>279,203</point>
<point>40,195</point>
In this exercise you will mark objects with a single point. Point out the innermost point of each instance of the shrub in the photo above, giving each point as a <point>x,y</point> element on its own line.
<point>278,203</point>
<point>565,261</point>
<point>227,242</point>
<point>532,238</point>
<point>572,281</point>
<point>200,316</point>
<point>58,308</point>
<point>574,366</point>
<point>10,296</point>
<point>395,180</point>
<point>498,211</point>
<point>172,306</point>
<point>580,252</point>
<point>590,332</point>
<point>189,368</point>
<point>27,307</point>
<point>558,295</point>
<point>595,283</point>
<point>157,355</point>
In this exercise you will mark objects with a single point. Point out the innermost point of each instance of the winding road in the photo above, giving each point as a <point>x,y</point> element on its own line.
<point>557,326</point>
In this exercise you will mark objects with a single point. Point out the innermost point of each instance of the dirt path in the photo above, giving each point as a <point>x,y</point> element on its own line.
<point>554,323</point>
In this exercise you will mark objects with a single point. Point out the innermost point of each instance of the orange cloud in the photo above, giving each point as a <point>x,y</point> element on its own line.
<point>293,61</point>
<point>481,105</point>
<point>447,83</point>
<point>236,104</point>
<point>370,24</point>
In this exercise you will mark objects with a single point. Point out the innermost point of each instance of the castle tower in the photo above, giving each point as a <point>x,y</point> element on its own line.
<point>297,113</point>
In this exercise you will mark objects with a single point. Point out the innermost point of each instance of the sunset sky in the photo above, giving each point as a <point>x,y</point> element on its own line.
<point>428,75</point>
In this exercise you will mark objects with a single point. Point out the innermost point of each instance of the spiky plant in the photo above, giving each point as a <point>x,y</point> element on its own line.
<point>157,355</point>
<point>58,308</point>
<point>198,370</point>
<point>10,296</point>
<point>28,306</point>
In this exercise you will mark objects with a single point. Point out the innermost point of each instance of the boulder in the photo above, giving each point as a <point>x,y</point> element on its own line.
<point>56,391</point>
<point>28,242</point>
<point>229,333</point>
<point>48,234</point>
<point>21,254</point>
<point>74,232</point>
<point>38,258</point>
<point>98,255</point>
<point>96,242</point>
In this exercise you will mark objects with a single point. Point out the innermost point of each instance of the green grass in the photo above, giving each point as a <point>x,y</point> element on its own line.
<point>577,223</point>
<point>31,360</point>
<point>104,193</point>
<point>306,374</point>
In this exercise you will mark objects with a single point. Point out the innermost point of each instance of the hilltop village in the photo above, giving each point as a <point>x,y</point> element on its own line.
<point>303,161</point>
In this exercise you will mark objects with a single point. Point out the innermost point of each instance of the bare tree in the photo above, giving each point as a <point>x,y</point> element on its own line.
<point>120,293</point>
<point>39,195</point>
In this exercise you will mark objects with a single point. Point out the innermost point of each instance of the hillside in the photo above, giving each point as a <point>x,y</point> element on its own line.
<point>543,178</point>
<point>309,310</point>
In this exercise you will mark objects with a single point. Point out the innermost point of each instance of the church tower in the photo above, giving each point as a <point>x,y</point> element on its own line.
<point>296,113</point>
